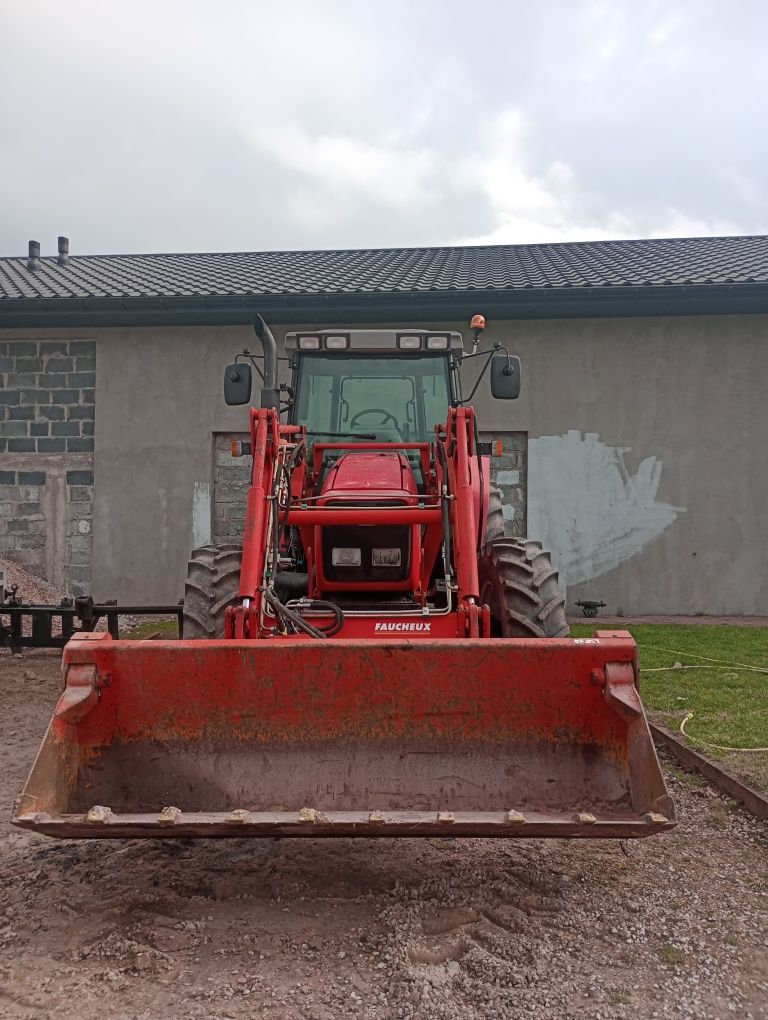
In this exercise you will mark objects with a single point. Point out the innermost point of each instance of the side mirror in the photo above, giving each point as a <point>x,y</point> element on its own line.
<point>505,377</point>
<point>237,384</point>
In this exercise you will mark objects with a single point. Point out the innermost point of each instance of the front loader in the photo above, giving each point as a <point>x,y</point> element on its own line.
<point>377,658</point>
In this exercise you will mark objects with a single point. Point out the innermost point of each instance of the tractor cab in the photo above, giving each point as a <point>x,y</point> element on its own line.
<point>372,385</point>
<point>385,385</point>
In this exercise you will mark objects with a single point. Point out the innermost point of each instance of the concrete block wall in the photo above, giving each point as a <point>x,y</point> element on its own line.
<point>47,424</point>
<point>47,396</point>
<point>231,481</point>
<point>22,521</point>
<point>510,473</point>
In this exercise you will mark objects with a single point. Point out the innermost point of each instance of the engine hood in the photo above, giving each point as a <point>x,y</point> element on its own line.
<point>371,471</point>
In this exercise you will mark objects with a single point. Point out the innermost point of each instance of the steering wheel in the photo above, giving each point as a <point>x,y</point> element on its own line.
<point>386,416</point>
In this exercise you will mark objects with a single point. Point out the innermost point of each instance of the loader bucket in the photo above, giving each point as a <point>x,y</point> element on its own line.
<point>295,737</point>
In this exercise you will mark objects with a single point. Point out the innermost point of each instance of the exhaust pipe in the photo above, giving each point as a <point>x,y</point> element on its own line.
<point>270,393</point>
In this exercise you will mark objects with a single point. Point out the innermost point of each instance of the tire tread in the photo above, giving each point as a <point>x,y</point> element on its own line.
<point>213,580</point>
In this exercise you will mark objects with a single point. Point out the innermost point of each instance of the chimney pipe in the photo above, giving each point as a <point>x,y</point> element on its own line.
<point>33,260</point>
<point>63,258</point>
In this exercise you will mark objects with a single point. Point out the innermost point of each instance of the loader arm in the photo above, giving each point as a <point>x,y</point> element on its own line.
<point>453,482</point>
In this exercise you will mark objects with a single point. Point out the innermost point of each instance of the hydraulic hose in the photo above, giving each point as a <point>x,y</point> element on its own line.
<point>480,535</point>
<point>336,610</point>
<point>287,614</point>
<point>446,514</point>
<point>283,612</point>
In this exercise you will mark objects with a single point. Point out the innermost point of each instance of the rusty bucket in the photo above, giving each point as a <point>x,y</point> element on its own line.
<point>294,737</point>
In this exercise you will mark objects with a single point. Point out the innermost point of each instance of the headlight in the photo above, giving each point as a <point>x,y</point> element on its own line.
<point>409,343</point>
<point>336,343</point>
<point>309,343</point>
<point>386,557</point>
<point>346,557</point>
<point>437,343</point>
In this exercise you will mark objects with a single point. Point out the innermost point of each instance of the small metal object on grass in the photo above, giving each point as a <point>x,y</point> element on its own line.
<point>589,607</point>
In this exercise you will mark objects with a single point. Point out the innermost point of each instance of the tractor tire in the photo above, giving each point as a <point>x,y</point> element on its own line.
<point>213,580</point>
<point>519,583</point>
<point>495,525</point>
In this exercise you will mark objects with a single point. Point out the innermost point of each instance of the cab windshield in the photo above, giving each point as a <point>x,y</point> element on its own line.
<point>393,399</point>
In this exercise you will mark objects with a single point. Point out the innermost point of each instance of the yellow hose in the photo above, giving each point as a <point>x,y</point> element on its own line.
<point>725,662</point>
<point>718,747</point>
<point>725,665</point>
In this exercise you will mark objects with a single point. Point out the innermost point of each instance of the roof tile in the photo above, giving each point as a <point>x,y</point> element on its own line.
<point>689,261</point>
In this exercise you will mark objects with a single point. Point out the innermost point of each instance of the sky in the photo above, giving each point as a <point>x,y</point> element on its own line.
<point>243,125</point>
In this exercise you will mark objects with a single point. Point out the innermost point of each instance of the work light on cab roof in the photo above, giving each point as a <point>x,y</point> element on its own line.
<point>374,340</point>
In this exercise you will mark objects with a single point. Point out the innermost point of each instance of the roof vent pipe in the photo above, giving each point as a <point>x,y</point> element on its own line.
<point>63,258</point>
<point>33,260</point>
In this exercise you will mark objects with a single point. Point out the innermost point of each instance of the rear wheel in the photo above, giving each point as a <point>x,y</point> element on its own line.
<point>495,525</point>
<point>519,583</point>
<point>213,580</point>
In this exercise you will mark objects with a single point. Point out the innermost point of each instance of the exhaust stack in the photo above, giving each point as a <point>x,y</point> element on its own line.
<point>270,393</point>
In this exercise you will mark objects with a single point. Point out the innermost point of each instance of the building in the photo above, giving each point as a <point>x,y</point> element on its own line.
<point>637,451</point>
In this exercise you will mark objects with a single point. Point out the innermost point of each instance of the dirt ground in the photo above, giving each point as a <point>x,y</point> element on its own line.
<point>318,929</point>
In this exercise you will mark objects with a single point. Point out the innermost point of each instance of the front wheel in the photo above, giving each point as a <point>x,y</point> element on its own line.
<point>521,587</point>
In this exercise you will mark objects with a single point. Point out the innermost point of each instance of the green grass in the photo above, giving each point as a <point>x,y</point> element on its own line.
<point>166,628</point>
<point>729,703</point>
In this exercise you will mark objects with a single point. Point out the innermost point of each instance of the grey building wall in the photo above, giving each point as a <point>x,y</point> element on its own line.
<point>47,420</point>
<point>643,439</point>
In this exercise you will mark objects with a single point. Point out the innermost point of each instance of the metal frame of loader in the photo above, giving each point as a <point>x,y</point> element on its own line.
<point>452,514</point>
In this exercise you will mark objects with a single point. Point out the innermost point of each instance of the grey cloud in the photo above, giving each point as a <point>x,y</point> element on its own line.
<point>193,126</point>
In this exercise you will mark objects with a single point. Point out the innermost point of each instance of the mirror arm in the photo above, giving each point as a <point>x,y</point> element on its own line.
<point>247,354</point>
<point>260,357</point>
<point>496,348</point>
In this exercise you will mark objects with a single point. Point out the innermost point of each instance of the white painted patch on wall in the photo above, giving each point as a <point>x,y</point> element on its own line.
<point>585,506</point>
<point>201,514</point>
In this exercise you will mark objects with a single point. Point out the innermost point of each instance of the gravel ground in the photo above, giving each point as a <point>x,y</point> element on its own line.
<point>31,589</point>
<point>431,929</point>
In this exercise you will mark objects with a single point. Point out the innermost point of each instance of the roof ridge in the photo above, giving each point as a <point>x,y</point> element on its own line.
<point>421,249</point>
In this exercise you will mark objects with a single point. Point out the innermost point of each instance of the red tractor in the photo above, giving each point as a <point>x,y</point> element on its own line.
<point>377,658</point>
